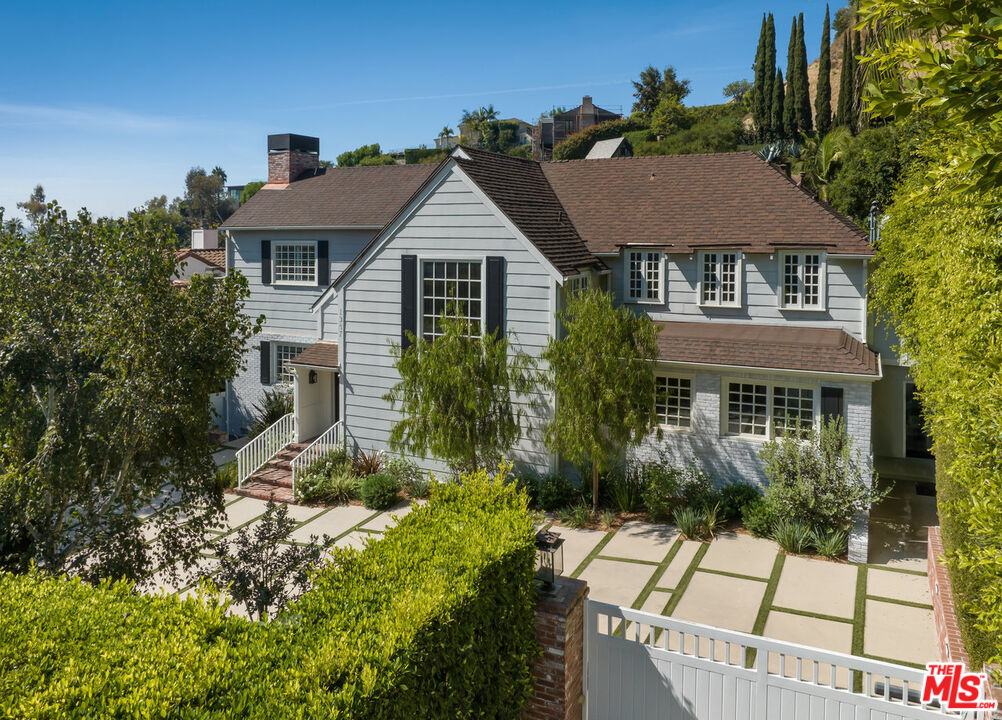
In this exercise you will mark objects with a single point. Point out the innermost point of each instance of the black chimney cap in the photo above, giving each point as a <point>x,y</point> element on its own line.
<point>288,142</point>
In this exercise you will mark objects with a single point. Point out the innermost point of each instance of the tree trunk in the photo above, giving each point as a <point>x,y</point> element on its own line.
<point>594,486</point>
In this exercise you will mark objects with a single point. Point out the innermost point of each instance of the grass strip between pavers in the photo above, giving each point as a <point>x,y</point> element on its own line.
<point>726,573</point>
<point>651,585</point>
<point>809,614</point>
<point>763,610</point>
<point>683,582</point>
<point>859,625</point>
<point>906,571</point>
<point>892,661</point>
<point>897,601</point>
<point>593,554</point>
<point>635,561</point>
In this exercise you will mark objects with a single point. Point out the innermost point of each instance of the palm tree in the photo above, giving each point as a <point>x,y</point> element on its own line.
<point>819,159</point>
<point>445,133</point>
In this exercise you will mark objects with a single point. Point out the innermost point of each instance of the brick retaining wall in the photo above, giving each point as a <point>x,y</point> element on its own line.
<point>951,647</point>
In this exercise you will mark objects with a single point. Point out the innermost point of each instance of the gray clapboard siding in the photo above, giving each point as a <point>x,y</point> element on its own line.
<point>450,222</point>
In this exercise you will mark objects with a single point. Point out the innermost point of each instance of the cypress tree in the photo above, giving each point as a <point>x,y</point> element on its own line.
<point>789,109</point>
<point>858,120</point>
<point>823,101</point>
<point>770,68</point>
<point>805,119</point>
<point>778,94</point>
<point>759,101</point>
<point>843,84</point>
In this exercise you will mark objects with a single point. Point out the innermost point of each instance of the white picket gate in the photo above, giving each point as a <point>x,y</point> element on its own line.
<point>640,666</point>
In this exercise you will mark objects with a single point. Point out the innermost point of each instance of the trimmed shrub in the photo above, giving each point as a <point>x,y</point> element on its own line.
<point>735,497</point>
<point>758,517</point>
<point>445,599</point>
<point>668,488</point>
<point>577,145</point>
<point>379,491</point>
<point>408,475</point>
<point>554,491</point>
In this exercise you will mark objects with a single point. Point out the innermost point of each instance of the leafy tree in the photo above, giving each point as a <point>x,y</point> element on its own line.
<point>870,168</point>
<point>364,155</point>
<point>670,116</point>
<point>805,121</point>
<point>250,189</point>
<point>498,136</point>
<point>160,211</point>
<point>455,396</point>
<point>737,90</point>
<point>206,201</point>
<point>823,100</point>
<point>553,111</point>
<point>792,76</point>
<point>778,106</point>
<point>260,569</point>
<point>843,20</point>
<point>34,207</point>
<point>105,375</point>
<point>652,87</point>
<point>377,160</point>
<point>602,376</point>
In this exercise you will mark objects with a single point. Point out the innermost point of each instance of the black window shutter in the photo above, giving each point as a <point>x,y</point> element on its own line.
<point>266,262</point>
<point>323,264</point>
<point>495,294</point>
<point>265,363</point>
<point>831,402</point>
<point>408,298</point>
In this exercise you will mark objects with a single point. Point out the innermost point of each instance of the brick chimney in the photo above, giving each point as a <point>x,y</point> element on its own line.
<point>290,155</point>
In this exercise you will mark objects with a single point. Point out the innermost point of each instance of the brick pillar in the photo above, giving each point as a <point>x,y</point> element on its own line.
<point>559,670</point>
<point>951,648</point>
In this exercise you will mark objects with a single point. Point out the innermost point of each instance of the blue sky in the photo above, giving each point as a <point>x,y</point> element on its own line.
<point>108,104</point>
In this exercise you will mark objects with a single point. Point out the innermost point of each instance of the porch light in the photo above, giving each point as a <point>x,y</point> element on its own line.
<point>313,377</point>
<point>549,557</point>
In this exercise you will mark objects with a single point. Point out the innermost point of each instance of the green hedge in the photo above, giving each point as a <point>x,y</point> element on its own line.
<point>434,621</point>
<point>577,145</point>
<point>414,156</point>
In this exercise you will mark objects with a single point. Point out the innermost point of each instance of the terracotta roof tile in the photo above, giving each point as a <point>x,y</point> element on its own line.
<point>820,350</point>
<point>336,197</point>
<point>215,257</point>
<point>688,201</point>
<point>321,354</point>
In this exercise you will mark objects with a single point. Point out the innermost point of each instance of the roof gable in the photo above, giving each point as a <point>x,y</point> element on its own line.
<point>685,202</point>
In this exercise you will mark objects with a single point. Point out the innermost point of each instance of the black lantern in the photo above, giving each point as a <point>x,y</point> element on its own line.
<point>313,377</point>
<point>549,557</point>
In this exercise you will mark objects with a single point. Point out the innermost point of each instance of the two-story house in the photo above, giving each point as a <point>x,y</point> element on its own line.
<point>757,288</point>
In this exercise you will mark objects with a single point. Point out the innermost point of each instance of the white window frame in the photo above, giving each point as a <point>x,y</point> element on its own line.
<point>276,364</point>
<point>739,267</point>
<point>667,375</point>
<point>770,386</point>
<point>424,259</point>
<point>647,264</point>
<point>822,281</point>
<point>577,283</point>
<point>275,245</point>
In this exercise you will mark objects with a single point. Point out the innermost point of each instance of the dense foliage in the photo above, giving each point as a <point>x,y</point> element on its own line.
<point>364,155</point>
<point>445,600</point>
<point>105,375</point>
<point>577,145</point>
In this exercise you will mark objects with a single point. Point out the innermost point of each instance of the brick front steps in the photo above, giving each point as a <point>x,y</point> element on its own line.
<point>274,480</point>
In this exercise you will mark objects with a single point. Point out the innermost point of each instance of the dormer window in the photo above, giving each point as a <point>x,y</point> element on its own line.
<point>720,278</point>
<point>644,279</point>
<point>802,278</point>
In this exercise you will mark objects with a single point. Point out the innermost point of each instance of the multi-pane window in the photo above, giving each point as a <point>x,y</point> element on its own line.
<point>644,281</point>
<point>295,263</point>
<point>720,281</point>
<point>747,409</point>
<point>284,352</point>
<point>792,411</point>
<point>763,410</point>
<point>577,283</point>
<point>673,400</point>
<point>802,280</point>
<point>452,287</point>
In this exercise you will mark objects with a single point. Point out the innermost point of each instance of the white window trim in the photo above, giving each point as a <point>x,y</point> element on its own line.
<point>437,257</point>
<point>725,386</point>
<point>294,283</point>
<point>276,371</point>
<point>692,400</point>
<point>823,285</point>
<point>584,278</point>
<point>739,276</point>
<point>662,276</point>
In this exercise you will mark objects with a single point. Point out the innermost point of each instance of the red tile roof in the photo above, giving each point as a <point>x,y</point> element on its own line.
<point>321,354</point>
<point>684,202</point>
<point>215,257</point>
<point>787,347</point>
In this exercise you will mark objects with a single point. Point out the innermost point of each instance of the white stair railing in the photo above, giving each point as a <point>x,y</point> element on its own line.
<point>253,456</point>
<point>332,438</point>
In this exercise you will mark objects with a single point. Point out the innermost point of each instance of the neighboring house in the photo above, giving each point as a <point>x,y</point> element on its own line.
<point>554,130</point>
<point>611,148</point>
<point>469,135</point>
<point>204,257</point>
<point>235,191</point>
<point>757,288</point>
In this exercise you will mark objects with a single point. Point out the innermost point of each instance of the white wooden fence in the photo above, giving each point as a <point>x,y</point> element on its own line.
<point>640,665</point>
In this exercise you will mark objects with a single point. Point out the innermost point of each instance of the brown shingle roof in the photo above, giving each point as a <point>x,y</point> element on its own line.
<point>820,350</point>
<point>321,354</point>
<point>337,197</point>
<point>688,201</point>
<point>520,190</point>
<point>215,257</point>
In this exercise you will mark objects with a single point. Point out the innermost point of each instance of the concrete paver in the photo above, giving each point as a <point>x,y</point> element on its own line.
<point>242,511</point>
<point>641,541</point>
<point>577,545</point>
<point>817,586</point>
<point>726,602</point>
<point>679,564</point>
<point>615,582</point>
<point>900,586</point>
<point>816,632</point>
<point>899,632</point>
<point>334,522</point>
<point>387,519</point>
<point>742,554</point>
